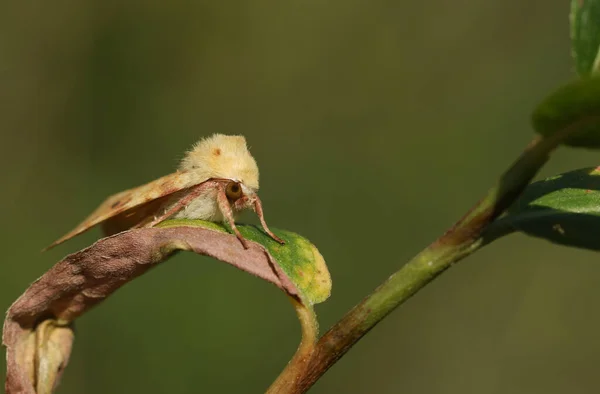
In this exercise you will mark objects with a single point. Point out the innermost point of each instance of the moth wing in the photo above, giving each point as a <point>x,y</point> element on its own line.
<point>142,196</point>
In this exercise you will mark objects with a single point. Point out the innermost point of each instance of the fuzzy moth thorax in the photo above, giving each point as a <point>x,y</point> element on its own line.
<point>222,156</point>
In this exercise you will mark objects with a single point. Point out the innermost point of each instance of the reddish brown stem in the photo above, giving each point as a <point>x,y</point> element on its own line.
<point>459,241</point>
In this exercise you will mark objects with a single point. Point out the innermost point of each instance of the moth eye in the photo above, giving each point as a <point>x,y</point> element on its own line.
<point>233,191</point>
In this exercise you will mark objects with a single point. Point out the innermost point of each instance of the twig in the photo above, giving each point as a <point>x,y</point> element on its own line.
<point>462,239</point>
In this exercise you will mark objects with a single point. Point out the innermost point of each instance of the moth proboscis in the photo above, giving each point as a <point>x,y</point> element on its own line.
<point>217,179</point>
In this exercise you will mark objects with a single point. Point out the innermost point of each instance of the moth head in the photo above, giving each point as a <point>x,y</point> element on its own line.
<point>223,156</point>
<point>239,195</point>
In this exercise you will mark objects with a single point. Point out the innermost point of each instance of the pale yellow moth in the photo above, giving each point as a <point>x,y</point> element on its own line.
<point>217,179</point>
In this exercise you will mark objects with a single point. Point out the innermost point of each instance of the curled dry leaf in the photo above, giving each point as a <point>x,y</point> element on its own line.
<point>37,330</point>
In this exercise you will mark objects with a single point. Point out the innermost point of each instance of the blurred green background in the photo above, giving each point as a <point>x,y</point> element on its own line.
<point>375,124</point>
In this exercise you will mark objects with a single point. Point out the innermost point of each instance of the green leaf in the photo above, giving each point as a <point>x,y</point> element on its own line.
<point>37,332</point>
<point>585,35</point>
<point>298,258</point>
<point>564,209</point>
<point>574,106</point>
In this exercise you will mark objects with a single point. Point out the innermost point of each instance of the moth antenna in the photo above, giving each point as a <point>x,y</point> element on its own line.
<point>225,208</point>
<point>259,211</point>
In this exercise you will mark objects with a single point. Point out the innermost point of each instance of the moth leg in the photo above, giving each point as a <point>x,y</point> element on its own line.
<point>185,200</point>
<point>259,211</point>
<point>226,211</point>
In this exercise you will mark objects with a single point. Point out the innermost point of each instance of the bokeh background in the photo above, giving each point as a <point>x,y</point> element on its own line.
<point>375,123</point>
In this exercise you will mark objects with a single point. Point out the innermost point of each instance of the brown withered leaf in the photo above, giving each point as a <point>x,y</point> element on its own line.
<point>37,331</point>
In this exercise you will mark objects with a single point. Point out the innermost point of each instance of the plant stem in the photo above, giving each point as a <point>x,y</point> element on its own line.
<point>287,380</point>
<point>459,241</point>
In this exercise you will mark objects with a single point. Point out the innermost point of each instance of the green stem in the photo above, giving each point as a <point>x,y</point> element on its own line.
<point>459,241</point>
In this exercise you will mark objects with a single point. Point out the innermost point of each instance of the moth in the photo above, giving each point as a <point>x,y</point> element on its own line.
<point>216,180</point>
